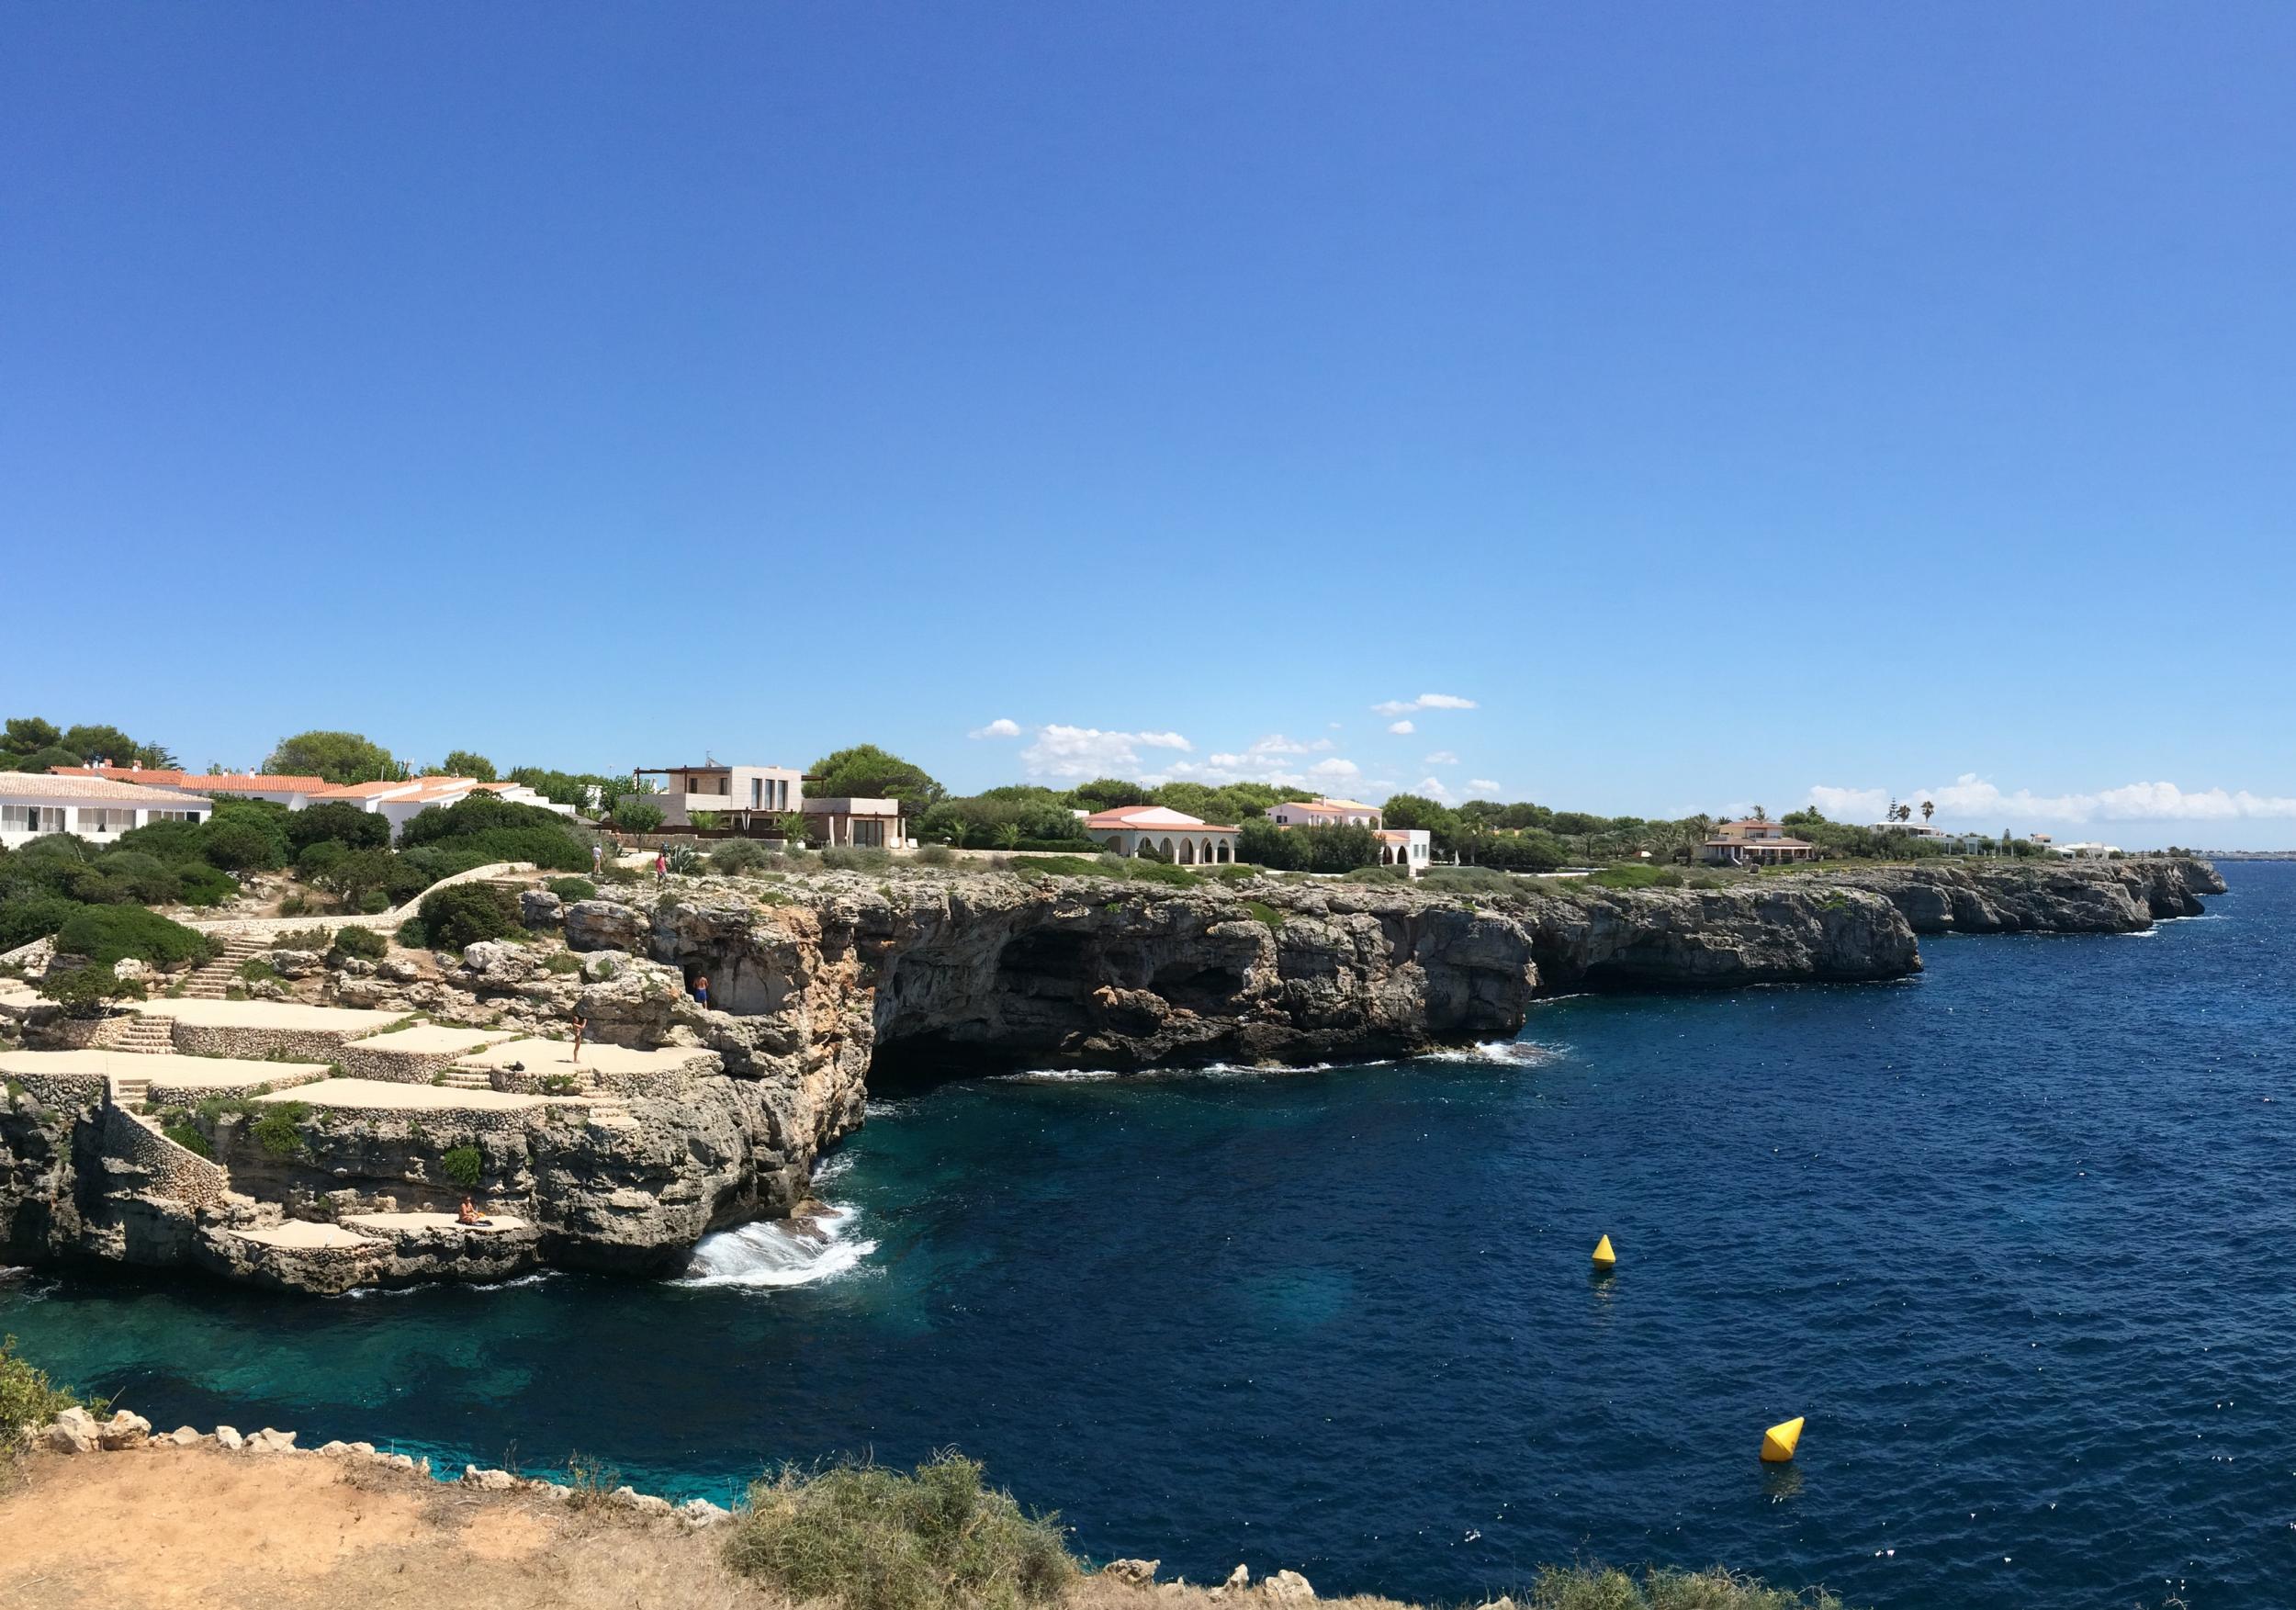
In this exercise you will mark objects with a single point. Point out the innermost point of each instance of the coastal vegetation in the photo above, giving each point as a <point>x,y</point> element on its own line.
<point>27,1398</point>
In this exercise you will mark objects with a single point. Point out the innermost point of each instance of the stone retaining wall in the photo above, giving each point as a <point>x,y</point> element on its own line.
<point>64,1092</point>
<point>174,1093</point>
<point>174,1172</point>
<point>254,1044</point>
<point>396,1067</point>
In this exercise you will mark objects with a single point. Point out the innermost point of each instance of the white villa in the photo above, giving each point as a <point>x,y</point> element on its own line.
<point>1406,846</point>
<point>95,809</point>
<point>402,799</point>
<point>1755,841</point>
<point>1180,839</point>
<point>1325,813</point>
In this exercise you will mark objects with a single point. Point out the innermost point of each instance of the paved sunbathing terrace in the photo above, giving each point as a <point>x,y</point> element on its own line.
<point>496,1224</point>
<point>383,1095</point>
<point>267,1015</point>
<point>601,1058</point>
<point>303,1237</point>
<point>165,1071</point>
<point>435,1040</point>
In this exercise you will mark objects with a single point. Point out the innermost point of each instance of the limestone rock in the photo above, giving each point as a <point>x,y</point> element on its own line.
<point>606,925</point>
<point>487,1480</point>
<point>399,970</point>
<point>290,964</point>
<point>183,1437</point>
<point>228,1437</point>
<point>269,1441</point>
<point>132,967</point>
<point>123,1430</point>
<point>498,964</point>
<point>540,908</point>
<point>700,1511</point>
<point>1288,1587</point>
<point>74,1432</point>
<point>1139,1572</point>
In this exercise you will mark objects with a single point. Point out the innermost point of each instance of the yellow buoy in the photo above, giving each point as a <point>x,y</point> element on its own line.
<point>1777,1442</point>
<point>1605,1258</point>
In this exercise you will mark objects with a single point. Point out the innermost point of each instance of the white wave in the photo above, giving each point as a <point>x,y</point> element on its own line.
<point>1499,1052</point>
<point>2140,933</point>
<point>790,1252</point>
<point>836,1165</point>
<point>1055,1075</point>
<point>536,1278</point>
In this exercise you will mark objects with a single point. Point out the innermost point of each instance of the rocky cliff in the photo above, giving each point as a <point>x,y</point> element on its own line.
<point>2070,897</point>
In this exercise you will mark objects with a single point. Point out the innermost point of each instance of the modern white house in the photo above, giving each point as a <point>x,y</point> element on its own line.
<point>1753,842</point>
<point>292,791</point>
<point>2087,849</point>
<point>866,824</point>
<point>1325,813</point>
<point>95,808</point>
<point>402,799</point>
<point>1178,837</point>
<point>747,797</point>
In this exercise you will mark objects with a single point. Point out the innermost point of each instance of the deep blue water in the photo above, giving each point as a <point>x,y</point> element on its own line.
<point>2016,1237</point>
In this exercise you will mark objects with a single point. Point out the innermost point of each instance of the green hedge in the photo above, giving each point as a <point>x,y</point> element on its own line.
<point>460,916</point>
<point>105,934</point>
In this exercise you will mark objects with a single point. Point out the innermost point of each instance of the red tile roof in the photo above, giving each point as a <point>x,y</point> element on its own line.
<point>215,781</point>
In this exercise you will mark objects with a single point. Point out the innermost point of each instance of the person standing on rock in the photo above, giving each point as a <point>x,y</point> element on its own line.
<point>597,858</point>
<point>702,992</point>
<point>661,865</point>
<point>580,1023</point>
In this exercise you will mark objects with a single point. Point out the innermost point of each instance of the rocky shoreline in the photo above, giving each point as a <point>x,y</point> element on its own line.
<point>719,1115</point>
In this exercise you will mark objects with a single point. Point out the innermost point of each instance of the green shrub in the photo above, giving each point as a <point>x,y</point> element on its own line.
<point>455,918</point>
<point>856,858</point>
<point>560,1085</point>
<point>294,904</point>
<point>877,1540</point>
<point>1263,912</point>
<point>189,1139</point>
<point>301,939</point>
<point>204,885</point>
<point>147,880</point>
<point>1636,877</point>
<point>277,1130</point>
<point>363,942</point>
<point>240,846</point>
<point>27,1398</point>
<point>935,855</point>
<point>32,917</point>
<point>412,934</point>
<point>105,934</point>
<point>1469,880</point>
<point>463,1166</point>
<point>739,855</point>
<point>338,822</point>
<point>1156,871</point>
<point>258,970</point>
<point>94,886</point>
<point>572,889</point>
<point>88,992</point>
<point>684,859</point>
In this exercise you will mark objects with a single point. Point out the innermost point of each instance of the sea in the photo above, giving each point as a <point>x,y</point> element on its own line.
<point>2016,1239</point>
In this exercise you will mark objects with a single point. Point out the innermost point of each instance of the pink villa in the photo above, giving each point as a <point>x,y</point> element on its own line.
<point>1180,839</point>
<point>1326,812</point>
<point>1753,842</point>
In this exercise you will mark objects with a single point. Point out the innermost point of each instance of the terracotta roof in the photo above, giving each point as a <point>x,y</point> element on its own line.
<point>204,781</point>
<point>49,786</point>
<point>1146,816</point>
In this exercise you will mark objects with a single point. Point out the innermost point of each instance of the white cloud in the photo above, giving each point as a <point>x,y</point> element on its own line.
<point>1087,751</point>
<point>1484,786</point>
<point>1972,801</point>
<point>1424,701</point>
<point>1443,757</point>
<point>1334,769</point>
<point>1000,728</point>
<point>1433,788</point>
<point>1400,726</point>
<point>1276,743</point>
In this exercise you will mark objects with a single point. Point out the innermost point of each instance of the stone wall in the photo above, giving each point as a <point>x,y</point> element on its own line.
<point>65,1092</point>
<point>312,1045</point>
<point>170,1170</point>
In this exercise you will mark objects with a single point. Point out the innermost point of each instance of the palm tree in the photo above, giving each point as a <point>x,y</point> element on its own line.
<point>1008,835</point>
<point>1761,815</point>
<point>1929,809</point>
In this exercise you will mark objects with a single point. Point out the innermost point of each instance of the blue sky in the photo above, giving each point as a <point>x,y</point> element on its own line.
<point>1729,402</point>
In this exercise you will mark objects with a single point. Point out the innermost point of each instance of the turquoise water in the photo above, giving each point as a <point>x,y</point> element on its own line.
<point>2015,1236</point>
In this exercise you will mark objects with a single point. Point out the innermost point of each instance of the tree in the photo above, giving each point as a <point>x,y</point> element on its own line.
<point>637,815</point>
<point>866,771</point>
<point>1416,810</point>
<point>792,827</point>
<point>96,743</point>
<point>1262,843</point>
<point>1929,809</point>
<point>339,821</point>
<point>27,735</point>
<point>1761,815</point>
<point>1108,794</point>
<point>339,757</point>
<point>463,763</point>
<point>353,874</point>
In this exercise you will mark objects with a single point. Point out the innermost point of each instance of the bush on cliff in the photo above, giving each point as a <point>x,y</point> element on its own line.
<point>105,934</point>
<point>455,918</point>
<point>572,889</point>
<point>32,917</point>
<point>362,942</point>
<point>876,1539</point>
<point>1596,1587</point>
<point>500,830</point>
<point>463,1166</point>
<point>28,1400</point>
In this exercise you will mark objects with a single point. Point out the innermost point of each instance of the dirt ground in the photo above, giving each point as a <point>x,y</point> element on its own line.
<point>194,1528</point>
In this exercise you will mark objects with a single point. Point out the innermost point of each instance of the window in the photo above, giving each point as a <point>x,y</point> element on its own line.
<point>871,834</point>
<point>97,819</point>
<point>171,816</point>
<point>757,794</point>
<point>31,818</point>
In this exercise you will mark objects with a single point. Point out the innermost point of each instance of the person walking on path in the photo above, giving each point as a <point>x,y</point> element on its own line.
<point>661,867</point>
<point>597,858</point>
<point>701,991</point>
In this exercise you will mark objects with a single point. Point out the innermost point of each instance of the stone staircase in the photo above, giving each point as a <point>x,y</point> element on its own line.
<point>611,1112</point>
<point>462,1078</point>
<point>145,1034</point>
<point>212,981</point>
<point>129,1094</point>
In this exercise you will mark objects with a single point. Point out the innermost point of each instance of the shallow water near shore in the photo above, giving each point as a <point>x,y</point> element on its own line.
<point>2015,1236</point>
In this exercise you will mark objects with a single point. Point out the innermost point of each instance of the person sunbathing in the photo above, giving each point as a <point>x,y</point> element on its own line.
<point>468,1214</point>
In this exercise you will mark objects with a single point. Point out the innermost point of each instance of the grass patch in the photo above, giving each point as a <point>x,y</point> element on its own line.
<point>571,889</point>
<point>276,1132</point>
<point>1263,912</point>
<point>870,1538</point>
<point>563,961</point>
<point>190,1140</point>
<point>258,970</point>
<point>1636,877</point>
<point>27,1398</point>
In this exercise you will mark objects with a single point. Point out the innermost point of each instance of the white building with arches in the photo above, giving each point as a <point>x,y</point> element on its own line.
<point>1178,837</point>
<point>1406,846</point>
